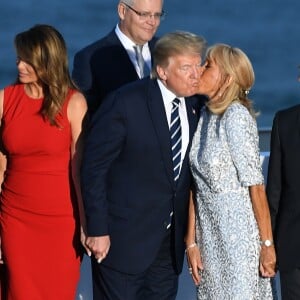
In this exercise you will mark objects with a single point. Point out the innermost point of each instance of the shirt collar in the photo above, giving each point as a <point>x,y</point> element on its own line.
<point>167,95</point>
<point>126,41</point>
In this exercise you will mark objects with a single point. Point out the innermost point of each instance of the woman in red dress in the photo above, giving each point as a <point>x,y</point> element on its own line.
<point>41,213</point>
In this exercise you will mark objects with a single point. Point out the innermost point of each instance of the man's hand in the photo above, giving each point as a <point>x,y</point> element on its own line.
<point>99,246</point>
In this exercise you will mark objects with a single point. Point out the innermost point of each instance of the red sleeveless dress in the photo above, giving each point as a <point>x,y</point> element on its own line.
<point>38,216</point>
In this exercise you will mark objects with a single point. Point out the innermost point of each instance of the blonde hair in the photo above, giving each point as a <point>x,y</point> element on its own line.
<point>44,48</point>
<point>232,62</point>
<point>175,43</point>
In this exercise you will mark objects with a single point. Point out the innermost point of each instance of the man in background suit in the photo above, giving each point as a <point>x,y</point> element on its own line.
<point>283,191</point>
<point>136,197</point>
<point>111,61</point>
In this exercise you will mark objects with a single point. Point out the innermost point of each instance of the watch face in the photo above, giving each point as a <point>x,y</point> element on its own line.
<point>268,243</point>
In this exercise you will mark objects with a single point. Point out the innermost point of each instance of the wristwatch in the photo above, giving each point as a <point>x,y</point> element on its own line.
<point>267,243</point>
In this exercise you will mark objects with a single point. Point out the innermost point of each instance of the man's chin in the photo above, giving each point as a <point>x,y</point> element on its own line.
<point>194,90</point>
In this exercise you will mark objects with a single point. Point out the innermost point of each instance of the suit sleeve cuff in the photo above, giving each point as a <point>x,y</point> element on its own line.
<point>97,226</point>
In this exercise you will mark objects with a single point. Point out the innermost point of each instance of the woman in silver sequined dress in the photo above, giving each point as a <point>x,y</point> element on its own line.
<point>229,240</point>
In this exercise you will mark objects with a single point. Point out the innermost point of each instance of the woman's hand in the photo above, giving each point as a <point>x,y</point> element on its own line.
<point>267,261</point>
<point>194,262</point>
<point>83,238</point>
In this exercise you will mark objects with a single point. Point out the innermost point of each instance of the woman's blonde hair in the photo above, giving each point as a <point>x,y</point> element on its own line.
<point>44,48</point>
<point>232,62</point>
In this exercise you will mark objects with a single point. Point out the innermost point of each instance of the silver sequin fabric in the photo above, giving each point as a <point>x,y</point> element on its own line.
<point>225,161</point>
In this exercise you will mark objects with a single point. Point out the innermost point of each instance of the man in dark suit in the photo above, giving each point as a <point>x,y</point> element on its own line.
<point>135,189</point>
<point>110,62</point>
<point>283,191</point>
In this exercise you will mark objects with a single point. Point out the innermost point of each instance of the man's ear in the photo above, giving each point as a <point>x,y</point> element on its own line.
<point>121,11</point>
<point>161,73</point>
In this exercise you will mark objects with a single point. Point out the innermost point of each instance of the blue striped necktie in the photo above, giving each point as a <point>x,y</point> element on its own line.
<point>175,131</point>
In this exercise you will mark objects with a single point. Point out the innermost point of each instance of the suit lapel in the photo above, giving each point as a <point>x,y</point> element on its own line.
<point>160,124</point>
<point>123,55</point>
<point>117,50</point>
<point>192,119</point>
<point>151,47</point>
<point>152,43</point>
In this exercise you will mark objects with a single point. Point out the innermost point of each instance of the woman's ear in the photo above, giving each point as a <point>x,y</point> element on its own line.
<point>228,80</point>
<point>226,83</point>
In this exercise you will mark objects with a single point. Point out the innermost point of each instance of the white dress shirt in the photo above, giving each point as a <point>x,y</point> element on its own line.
<point>129,45</point>
<point>168,98</point>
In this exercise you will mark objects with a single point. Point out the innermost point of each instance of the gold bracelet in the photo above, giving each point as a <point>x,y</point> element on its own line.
<point>190,246</point>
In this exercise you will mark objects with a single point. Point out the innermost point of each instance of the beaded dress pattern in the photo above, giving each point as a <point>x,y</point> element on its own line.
<point>225,161</point>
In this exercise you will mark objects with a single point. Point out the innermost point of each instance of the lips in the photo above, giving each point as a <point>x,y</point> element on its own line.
<point>23,77</point>
<point>22,74</point>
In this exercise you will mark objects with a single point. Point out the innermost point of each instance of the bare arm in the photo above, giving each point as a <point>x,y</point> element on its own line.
<point>2,167</point>
<point>192,250</point>
<point>262,215</point>
<point>77,110</point>
<point>2,171</point>
<point>2,157</point>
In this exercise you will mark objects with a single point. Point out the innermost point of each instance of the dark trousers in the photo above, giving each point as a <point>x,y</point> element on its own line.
<point>290,284</point>
<point>159,281</point>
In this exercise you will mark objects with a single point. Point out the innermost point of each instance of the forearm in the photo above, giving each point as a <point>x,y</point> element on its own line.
<point>261,211</point>
<point>191,226</point>
<point>76,181</point>
<point>3,163</point>
<point>262,215</point>
<point>192,250</point>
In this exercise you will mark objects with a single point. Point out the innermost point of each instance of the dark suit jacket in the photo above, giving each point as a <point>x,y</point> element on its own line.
<point>103,67</point>
<point>283,186</point>
<point>127,177</point>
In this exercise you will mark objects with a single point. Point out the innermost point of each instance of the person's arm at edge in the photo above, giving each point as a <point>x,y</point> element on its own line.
<point>77,114</point>
<point>2,158</point>
<point>262,215</point>
<point>103,144</point>
<point>192,251</point>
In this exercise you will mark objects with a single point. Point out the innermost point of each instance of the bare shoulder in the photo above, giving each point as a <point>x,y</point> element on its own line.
<point>77,105</point>
<point>1,95</point>
<point>1,102</point>
<point>77,101</point>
